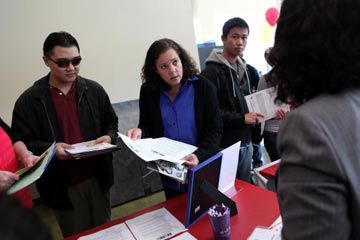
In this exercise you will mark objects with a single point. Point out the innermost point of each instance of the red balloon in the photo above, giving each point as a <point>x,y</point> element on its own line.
<point>271,16</point>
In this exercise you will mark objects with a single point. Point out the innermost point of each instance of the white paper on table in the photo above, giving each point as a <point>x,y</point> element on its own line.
<point>184,236</point>
<point>260,233</point>
<point>271,233</point>
<point>116,232</point>
<point>263,102</point>
<point>151,149</point>
<point>158,224</point>
<point>277,225</point>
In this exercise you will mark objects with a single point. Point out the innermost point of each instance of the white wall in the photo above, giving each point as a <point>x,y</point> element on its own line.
<point>114,36</point>
<point>210,16</point>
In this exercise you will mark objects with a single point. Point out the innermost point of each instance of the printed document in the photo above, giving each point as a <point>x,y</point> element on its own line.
<point>158,224</point>
<point>271,233</point>
<point>263,102</point>
<point>151,149</point>
<point>116,232</point>
<point>264,234</point>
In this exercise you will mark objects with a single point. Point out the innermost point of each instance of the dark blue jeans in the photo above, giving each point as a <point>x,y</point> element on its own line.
<point>244,164</point>
<point>270,142</point>
<point>257,155</point>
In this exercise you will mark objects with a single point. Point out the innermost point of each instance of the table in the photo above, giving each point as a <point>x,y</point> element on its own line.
<point>256,207</point>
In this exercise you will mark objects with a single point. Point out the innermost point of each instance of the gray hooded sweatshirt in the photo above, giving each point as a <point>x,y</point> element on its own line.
<point>232,85</point>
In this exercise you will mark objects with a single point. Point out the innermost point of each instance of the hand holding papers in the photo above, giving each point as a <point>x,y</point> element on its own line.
<point>168,154</point>
<point>150,149</point>
<point>29,175</point>
<point>22,171</point>
<point>89,149</point>
<point>263,102</point>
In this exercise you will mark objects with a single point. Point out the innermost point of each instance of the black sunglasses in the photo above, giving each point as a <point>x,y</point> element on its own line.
<point>64,62</point>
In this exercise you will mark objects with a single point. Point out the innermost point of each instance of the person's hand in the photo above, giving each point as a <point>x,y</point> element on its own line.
<point>191,160</point>
<point>23,155</point>
<point>105,139</point>
<point>280,114</point>
<point>60,150</point>
<point>134,133</point>
<point>7,179</point>
<point>252,118</point>
<point>29,159</point>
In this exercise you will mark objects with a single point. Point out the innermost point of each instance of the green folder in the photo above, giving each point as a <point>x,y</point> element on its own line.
<point>28,175</point>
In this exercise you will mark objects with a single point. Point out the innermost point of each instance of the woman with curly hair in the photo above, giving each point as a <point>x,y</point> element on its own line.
<point>177,103</point>
<point>316,58</point>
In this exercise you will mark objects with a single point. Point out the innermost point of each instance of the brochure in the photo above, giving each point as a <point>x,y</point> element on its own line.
<point>29,175</point>
<point>177,171</point>
<point>24,170</point>
<point>89,149</point>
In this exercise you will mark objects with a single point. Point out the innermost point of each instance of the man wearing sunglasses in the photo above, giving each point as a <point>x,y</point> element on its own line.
<point>67,108</point>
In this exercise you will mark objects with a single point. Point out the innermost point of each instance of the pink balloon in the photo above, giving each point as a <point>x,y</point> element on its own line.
<point>271,16</point>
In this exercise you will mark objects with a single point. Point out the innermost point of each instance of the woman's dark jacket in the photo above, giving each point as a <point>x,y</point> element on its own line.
<point>207,116</point>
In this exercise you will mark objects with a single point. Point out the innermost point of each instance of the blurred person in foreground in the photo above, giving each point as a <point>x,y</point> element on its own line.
<point>19,223</point>
<point>316,66</point>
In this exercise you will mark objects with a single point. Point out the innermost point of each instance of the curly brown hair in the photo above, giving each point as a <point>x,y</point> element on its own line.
<point>149,75</point>
<point>317,49</point>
